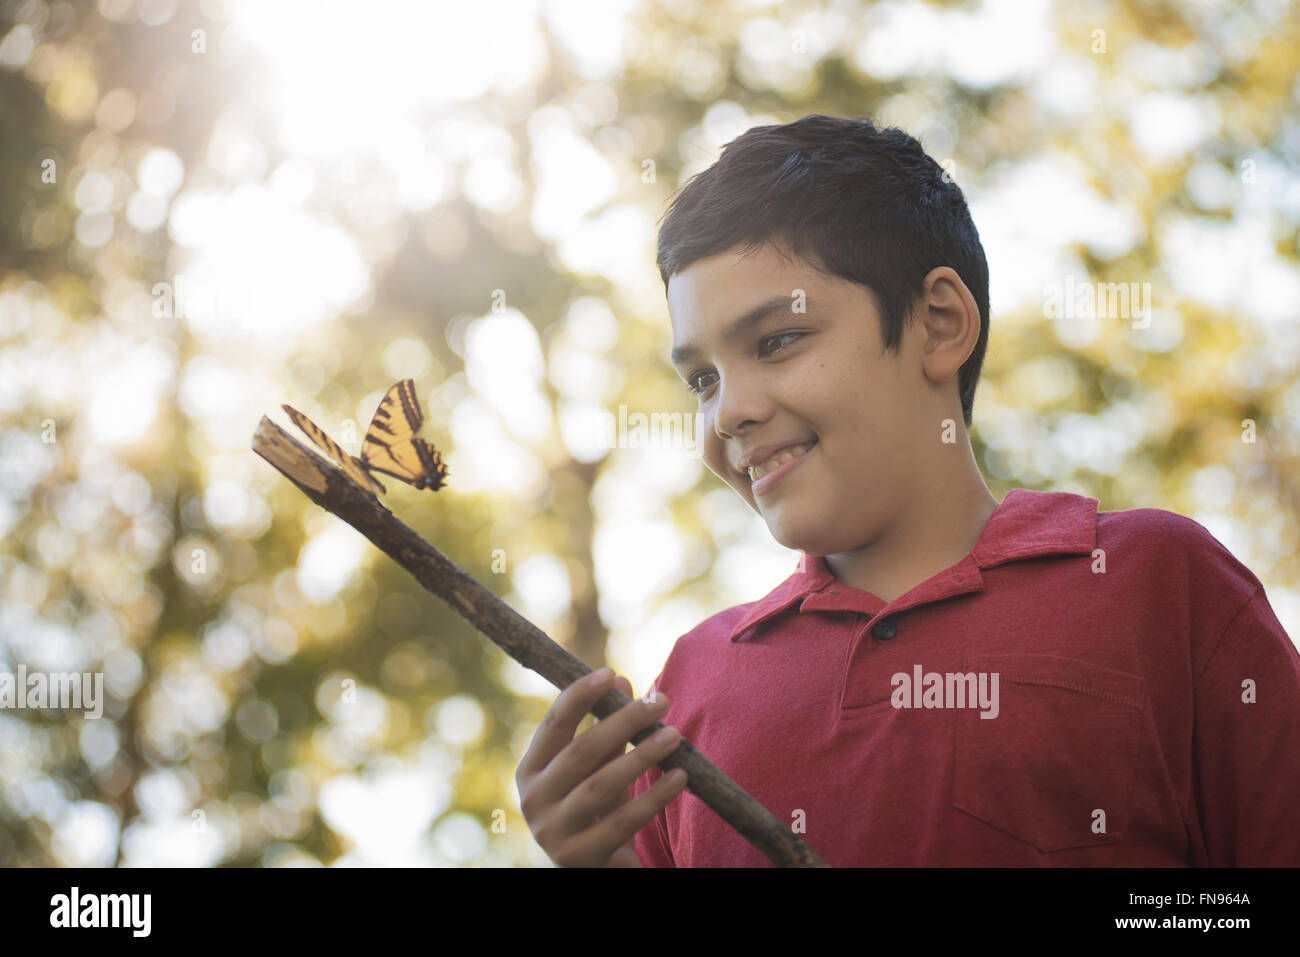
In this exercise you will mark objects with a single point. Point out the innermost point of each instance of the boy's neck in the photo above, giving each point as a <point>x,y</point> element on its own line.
<point>937,530</point>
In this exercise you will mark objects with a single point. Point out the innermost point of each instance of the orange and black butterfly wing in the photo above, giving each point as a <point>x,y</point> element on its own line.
<point>351,466</point>
<point>434,469</point>
<point>392,447</point>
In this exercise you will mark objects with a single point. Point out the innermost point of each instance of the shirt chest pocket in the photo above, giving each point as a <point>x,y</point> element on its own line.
<point>1055,768</point>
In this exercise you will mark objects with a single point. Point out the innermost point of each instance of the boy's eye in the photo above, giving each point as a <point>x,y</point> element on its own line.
<point>781,335</point>
<point>697,390</point>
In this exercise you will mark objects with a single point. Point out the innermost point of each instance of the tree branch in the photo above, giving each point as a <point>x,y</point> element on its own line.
<point>329,488</point>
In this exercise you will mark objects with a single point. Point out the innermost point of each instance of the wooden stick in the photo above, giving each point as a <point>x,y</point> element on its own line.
<point>329,488</point>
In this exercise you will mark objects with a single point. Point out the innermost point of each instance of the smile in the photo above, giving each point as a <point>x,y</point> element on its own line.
<point>766,474</point>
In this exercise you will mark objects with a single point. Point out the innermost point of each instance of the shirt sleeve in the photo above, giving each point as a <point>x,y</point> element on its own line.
<point>1246,744</point>
<point>651,842</point>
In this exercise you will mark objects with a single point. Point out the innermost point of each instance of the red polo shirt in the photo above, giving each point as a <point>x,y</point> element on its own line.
<point>1148,706</point>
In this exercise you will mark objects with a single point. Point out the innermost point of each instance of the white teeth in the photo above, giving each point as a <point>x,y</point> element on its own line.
<point>756,472</point>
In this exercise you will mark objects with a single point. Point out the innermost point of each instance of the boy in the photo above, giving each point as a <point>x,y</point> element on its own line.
<point>945,680</point>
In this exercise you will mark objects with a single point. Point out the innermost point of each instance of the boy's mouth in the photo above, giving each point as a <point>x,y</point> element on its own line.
<point>756,472</point>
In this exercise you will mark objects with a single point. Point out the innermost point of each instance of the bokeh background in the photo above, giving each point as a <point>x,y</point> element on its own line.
<point>210,208</point>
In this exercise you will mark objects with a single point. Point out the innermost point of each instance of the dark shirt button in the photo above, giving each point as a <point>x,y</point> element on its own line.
<point>884,629</point>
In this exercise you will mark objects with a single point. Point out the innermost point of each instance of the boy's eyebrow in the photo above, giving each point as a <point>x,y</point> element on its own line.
<point>741,325</point>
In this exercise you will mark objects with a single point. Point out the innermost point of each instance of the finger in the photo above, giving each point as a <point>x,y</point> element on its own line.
<point>618,828</point>
<point>561,720</point>
<point>624,686</point>
<point>584,753</point>
<point>625,856</point>
<point>609,787</point>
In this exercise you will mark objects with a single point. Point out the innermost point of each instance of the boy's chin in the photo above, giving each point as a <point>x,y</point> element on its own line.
<point>794,535</point>
<point>793,530</point>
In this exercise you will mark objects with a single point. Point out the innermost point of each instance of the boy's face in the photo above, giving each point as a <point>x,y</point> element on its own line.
<point>797,377</point>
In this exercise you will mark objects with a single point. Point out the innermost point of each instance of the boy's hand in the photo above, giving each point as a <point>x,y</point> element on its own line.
<point>574,791</point>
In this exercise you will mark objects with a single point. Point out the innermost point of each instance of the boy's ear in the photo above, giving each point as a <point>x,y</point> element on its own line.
<point>950,323</point>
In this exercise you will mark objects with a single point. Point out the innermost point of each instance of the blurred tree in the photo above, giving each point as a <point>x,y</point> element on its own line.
<point>253,712</point>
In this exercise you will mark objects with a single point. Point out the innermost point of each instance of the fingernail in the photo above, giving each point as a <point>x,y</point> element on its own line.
<point>601,676</point>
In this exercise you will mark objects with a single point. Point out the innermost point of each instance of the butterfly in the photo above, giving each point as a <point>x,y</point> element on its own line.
<point>390,447</point>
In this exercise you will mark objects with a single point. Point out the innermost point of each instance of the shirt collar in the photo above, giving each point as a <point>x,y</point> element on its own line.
<point>1026,524</point>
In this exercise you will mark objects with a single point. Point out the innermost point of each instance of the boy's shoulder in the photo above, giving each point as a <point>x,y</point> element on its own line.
<point>715,633</point>
<point>720,626</point>
<point>1178,549</point>
<point>1177,575</point>
<point>1172,559</point>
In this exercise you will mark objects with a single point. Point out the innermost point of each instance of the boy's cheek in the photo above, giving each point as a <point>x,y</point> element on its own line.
<point>716,461</point>
<point>729,477</point>
<point>720,471</point>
